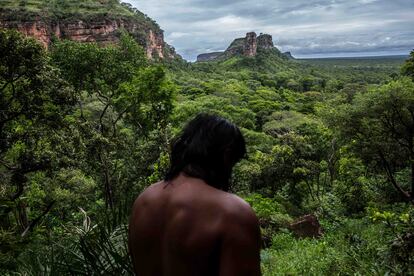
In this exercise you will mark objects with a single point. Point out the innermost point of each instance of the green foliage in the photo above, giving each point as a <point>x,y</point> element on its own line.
<point>121,99</point>
<point>271,214</point>
<point>352,188</point>
<point>408,68</point>
<point>378,127</point>
<point>88,142</point>
<point>376,70</point>
<point>71,10</point>
<point>399,220</point>
<point>83,250</point>
<point>34,101</point>
<point>283,122</point>
<point>353,247</point>
<point>263,207</point>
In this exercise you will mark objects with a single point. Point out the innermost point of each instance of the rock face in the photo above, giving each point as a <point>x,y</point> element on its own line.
<point>155,45</point>
<point>103,32</point>
<point>250,45</point>
<point>37,30</point>
<point>265,41</point>
<point>306,227</point>
<point>247,46</point>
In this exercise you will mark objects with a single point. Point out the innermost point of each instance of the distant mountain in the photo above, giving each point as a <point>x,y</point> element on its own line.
<point>98,21</point>
<point>288,55</point>
<point>209,56</point>
<point>248,46</point>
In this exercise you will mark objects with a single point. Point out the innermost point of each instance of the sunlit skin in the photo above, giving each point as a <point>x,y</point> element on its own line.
<point>187,227</point>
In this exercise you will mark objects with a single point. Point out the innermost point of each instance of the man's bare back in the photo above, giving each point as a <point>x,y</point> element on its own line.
<point>186,227</point>
<point>188,224</point>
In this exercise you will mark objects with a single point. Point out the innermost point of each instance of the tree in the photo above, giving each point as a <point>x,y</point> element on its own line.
<point>408,68</point>
<point>379,126</point>
<point>34,101</point>
<point>121,99</point>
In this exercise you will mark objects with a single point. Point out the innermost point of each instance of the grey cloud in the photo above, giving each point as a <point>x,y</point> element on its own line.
<point>304,27</point>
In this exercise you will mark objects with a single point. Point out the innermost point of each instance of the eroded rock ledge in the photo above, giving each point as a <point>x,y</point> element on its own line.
<point>246,46</point>
<point>102,31</point>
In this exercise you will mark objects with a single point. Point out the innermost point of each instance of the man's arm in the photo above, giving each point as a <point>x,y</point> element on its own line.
<point>240,247</point>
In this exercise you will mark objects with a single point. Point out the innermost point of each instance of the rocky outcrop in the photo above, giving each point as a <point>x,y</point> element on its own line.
<point>265,41</point>
<point>307,226</point>
<point>235,48</point>
<point>247,46</point>
<point>38,30</point>
<point>103,32</point>
<point>155,45</point>
<point>250,45</point>
<point>208,56</point>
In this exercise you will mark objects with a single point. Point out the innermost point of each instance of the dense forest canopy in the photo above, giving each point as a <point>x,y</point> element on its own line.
<point>84,129</point>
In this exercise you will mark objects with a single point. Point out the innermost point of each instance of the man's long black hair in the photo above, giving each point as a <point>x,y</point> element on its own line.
<point>208,148</point>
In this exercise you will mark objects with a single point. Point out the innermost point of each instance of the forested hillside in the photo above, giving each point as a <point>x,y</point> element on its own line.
<point>84,129</point>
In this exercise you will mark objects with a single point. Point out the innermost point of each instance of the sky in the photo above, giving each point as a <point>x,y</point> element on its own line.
<point>306,28</point>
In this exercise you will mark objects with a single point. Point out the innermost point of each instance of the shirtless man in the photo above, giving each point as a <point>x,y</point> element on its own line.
<point>189,224</point>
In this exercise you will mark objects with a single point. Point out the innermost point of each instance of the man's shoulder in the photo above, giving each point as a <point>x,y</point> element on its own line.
<point>240,226</point>
<point>237,210</point>
<point>149,194</point>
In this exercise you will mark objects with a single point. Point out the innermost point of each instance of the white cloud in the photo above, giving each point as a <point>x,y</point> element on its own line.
<point>368,1</point>
<point>225,23</point>
<point>175,35</point>
<point>304,27</point>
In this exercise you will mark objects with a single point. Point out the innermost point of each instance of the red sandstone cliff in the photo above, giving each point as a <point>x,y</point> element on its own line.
<point>102,31</point>
<point>250,45</point>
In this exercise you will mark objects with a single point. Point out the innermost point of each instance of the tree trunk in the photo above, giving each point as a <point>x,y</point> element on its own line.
<point>331,163</point>
<point>108,191</point>
<point>412,178</point>
<point>410,143</point>
<point>391,178</point>
<point>310,190</point>
<point>34,222</point>
<point>22,215</point>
